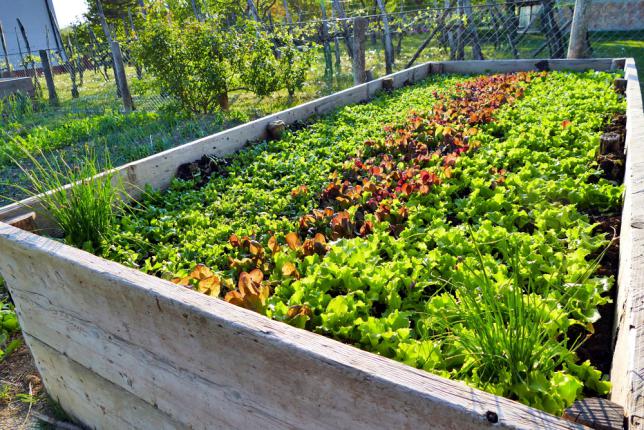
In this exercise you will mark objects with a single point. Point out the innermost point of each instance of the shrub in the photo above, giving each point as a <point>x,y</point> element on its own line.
<point>200,63</point>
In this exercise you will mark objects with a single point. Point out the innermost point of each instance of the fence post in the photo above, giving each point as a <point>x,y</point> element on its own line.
<point>579,29</point>
<point>49,78</point>
<point>121,79</point>
<point>328,65</point>
<point>359,30</point>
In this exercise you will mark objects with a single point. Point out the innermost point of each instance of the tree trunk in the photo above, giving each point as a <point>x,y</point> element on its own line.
<point>287,14</point>
<point>222,100</point>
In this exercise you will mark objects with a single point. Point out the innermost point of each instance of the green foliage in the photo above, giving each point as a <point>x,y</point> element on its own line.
<point>200,63</point>
<point>76,130</point>
<point>85,212</point>
<point>494,312</point>
<point>8,328</point>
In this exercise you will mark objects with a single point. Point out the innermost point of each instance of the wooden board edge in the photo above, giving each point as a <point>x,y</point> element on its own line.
<point>357,365</point>
<point>628,359</point>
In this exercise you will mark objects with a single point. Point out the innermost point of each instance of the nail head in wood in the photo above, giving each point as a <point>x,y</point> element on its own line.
<point>388,84</point>
<point>600,414</point>
<point>276,129</point>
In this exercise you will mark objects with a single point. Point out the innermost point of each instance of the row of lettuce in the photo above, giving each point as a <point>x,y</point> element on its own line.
<point>444,225</point>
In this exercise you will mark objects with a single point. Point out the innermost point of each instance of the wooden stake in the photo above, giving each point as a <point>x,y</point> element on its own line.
<point>3,42</point>
<point>339,10</point>
<point>477,53</point>
<point>389,48</point>
<point>49,78</point>
<point>359,30</point>
<point>28,48</point>
<point>578,46</point>
<point>328,65</point>
<point>121,81</point>
<point>71,64</point>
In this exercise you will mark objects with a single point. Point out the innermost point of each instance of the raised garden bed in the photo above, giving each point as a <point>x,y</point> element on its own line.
<point>119,348</point>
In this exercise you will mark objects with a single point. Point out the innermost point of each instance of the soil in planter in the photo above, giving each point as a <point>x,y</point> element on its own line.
<point>599,347</point>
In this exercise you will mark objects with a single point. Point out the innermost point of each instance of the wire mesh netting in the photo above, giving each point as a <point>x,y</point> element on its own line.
<point>88,112</point>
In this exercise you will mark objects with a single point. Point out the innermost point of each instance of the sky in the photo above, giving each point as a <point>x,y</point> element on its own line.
<point>69,11</point>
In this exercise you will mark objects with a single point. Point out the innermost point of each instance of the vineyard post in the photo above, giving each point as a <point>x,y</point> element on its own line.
<point>137,66</point>
<point>359,30</point>
<point>389,48</point>
<point>3,42</point>
<point>342,15</point>
<point>577,47</point>
<point>336,45</point>
<point>80,66</point>
<point>121,81</point>
<point>472,30</point>
<point>49,78</point>
<point>108,36</point>
<point>31,58</point>
<point>328,65</point>
<point>71,64</point>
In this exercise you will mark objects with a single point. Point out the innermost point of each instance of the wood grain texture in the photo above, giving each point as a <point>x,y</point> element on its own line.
<point>91,398</point>
<point>598,413</point>
<point>208,364</point>
<point>203,363</point>
<point>508,66</point>
<point>627,373</point>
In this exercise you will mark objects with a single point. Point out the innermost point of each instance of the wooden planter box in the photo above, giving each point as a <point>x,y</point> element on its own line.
<point>120,349</point>
<point>10,86</point>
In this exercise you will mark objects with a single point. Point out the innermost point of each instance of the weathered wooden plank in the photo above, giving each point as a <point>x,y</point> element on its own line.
<point>627,373</point>
<point>92,399</point>
<point>24,222</point>
<point>597,413</point>
<point>157,341</point>
<point>506,66</point>
<point>11,86</point>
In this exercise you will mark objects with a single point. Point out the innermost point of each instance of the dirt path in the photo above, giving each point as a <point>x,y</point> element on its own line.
<point>21,392</point>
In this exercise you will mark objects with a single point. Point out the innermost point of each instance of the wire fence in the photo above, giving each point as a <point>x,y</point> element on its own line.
<point>524,29</point>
